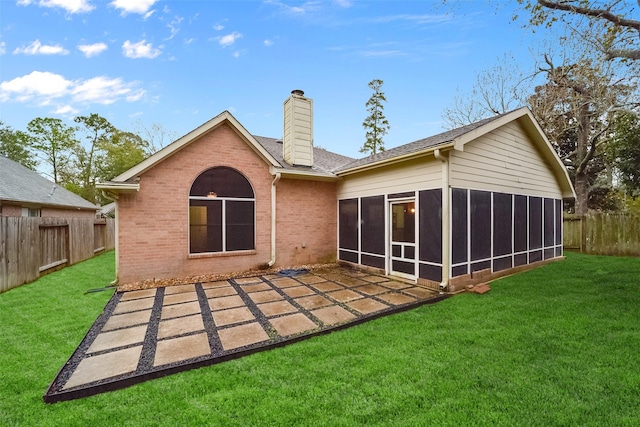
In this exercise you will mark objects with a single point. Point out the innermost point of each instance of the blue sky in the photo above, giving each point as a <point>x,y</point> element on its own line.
<point>180,63</point>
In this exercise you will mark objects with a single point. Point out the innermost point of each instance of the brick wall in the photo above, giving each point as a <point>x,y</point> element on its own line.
<point>306,222</point>
<point>154,222</point>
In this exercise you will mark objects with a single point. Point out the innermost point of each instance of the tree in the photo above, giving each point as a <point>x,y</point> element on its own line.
<point>625,150</point>
<point>607,26</point>
<point>54,141</point>
<point>376,124</point>
<point>14,145</point>
<point>98,132</point>
<point>496,90</point>
<point>123,151</point>
<point>576,108</point>
<point>156,136</point>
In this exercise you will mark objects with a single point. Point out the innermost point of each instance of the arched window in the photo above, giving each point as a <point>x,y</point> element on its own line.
<point>221,212</point>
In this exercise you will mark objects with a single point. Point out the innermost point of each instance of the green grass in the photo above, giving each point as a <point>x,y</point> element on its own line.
<point>558,345</point>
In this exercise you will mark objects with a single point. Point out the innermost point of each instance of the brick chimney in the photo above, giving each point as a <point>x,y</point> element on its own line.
<point>297,143</point>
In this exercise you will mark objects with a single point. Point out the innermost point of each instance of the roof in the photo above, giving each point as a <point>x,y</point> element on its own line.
<point>418,146</point>
<point>457,138</point>
<point>331,166</point>
<point>324,161</point>
<point>22,185</point>
<point>269,149</point>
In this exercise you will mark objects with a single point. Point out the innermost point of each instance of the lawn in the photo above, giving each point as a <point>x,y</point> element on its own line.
<point>554,346</point>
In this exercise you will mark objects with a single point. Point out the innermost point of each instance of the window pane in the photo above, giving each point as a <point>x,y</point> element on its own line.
<point>205,226</point>
<point>239,225</point>
<point>222,182</point>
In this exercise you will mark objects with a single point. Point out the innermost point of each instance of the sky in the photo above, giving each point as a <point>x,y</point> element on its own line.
<point>180,63</point>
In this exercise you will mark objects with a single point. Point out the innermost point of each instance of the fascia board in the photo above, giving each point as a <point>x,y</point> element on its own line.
<point>174,147</point>
<point>393,160</point>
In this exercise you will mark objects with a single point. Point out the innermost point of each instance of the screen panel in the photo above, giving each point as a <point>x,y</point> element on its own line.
<point>502,224</point>
<point>373,225</point>
<point>458,225</point>
<point>431,225</point>
<point>480,225</point>
<point>348,224</point>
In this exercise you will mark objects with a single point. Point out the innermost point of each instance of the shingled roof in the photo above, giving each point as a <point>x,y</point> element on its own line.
<point>22,185</point>
<point>417,146</point>
<point>323,161</point>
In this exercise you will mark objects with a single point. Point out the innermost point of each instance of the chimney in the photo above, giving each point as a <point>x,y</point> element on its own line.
<point>297,143</point>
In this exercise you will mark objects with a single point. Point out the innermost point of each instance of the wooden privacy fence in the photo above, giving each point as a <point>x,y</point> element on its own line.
<point>30,247</point>
<point>603,233</point>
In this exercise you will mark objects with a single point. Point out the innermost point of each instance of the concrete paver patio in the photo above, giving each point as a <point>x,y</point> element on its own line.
<point>150,333</point>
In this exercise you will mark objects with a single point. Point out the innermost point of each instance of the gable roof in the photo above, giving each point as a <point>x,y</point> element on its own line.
<point>174,147</point>
<point>22,185</point>
<point>457,138</point>
<point>331,166</point>
<point>269,149</point>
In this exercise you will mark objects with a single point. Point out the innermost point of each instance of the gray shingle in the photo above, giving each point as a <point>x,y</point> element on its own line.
<point>323,161</point>
<point>417,146</point>
<point>20,184</point>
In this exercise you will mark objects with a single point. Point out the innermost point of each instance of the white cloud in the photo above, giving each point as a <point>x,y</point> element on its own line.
<point>133,6</point>
<point>37,48</point>
<point>218,27</point>
<point>174,26</point>
<point>45,88</point>
<point>38,84</point>
<point>142,49</point>
<point>343,3</point>
<point>71,6</point>
<point>229,39</point>
<point>66,110</point>
<point>304,8</point>
<point>268,42</point>
<point>236,54</point>
<point>101,90</point>
<point>94,49</point>
<point>3,48</point>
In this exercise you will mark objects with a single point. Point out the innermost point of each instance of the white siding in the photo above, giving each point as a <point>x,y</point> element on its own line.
<point>298,131</point>
<point>503,160</point>
<point>420,174</point>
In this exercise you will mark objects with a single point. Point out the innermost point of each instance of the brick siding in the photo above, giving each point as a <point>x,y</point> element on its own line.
<point>154,222</point>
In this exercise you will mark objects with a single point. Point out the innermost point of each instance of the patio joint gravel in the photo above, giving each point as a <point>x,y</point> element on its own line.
<point>197,341</point>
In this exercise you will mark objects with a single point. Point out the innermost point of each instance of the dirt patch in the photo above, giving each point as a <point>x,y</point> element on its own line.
<point>158,283</point>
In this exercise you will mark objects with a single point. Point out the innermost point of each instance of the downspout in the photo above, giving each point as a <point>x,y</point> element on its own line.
<point>272,261</point>
<point>446,236</point>
<point>113,196</point>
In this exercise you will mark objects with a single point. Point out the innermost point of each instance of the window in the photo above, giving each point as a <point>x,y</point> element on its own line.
<point>221,212</point>
<point>30,212</point>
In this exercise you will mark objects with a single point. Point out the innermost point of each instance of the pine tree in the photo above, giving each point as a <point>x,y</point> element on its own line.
<point>376,124</point>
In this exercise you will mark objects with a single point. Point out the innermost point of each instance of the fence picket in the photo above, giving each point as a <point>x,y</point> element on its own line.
<point>30,247</point>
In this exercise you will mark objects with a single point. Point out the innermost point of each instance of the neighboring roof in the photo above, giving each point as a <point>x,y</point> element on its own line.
<point>22,185</point>
<point>108,210</point>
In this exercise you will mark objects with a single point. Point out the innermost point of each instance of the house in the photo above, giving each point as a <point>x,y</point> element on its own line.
<point>446,211</point>
<point>26,193</point>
